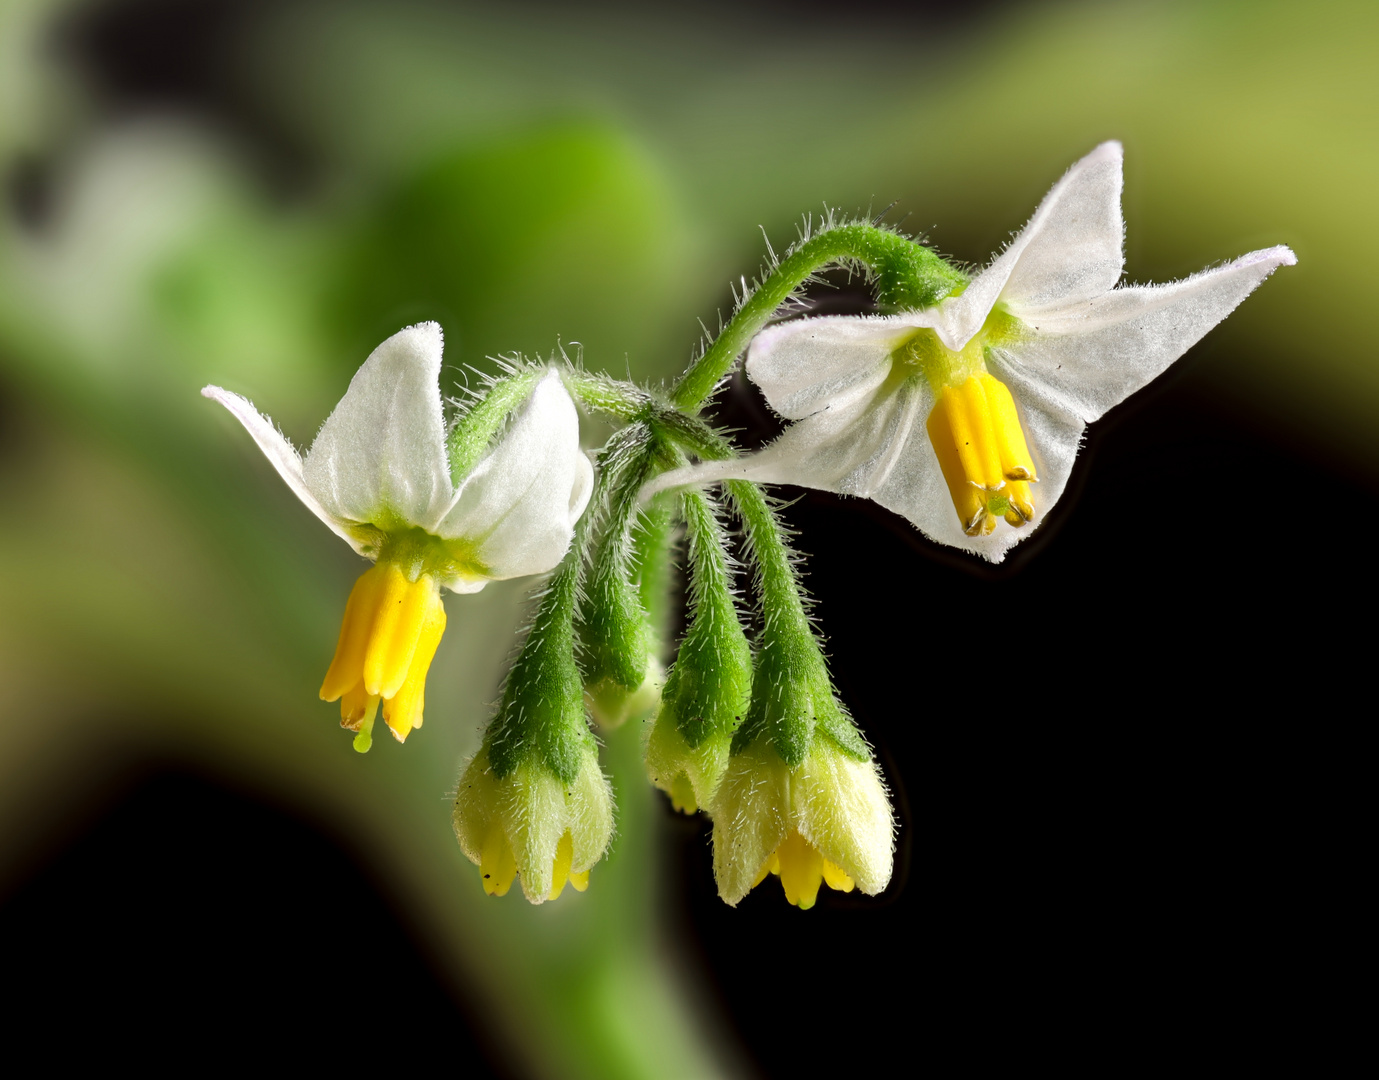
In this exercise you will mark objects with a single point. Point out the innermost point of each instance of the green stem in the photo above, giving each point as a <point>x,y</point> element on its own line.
<point>708,553</point>
<point>470,438</point>
<point>778,582</point>
<point>614,397</point>
<point>907,275</point>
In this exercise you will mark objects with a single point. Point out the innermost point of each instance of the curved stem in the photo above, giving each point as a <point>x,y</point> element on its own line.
<point>907,275</point>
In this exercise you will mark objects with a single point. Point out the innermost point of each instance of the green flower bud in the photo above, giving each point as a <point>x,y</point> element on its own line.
<point>709,687</point>
<point>532,824</point>
<point>826,820</point>
<point>613,704</point>
<point>705,699</point>
<point>533,801</point>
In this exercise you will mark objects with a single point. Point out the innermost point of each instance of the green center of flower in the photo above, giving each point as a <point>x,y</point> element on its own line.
<point>943,366</point>
<point>417,552</point>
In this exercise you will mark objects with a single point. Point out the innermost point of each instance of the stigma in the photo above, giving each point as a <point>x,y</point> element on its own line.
<point>388,638</point>
<point>802,869</point>
<point>975,432</point>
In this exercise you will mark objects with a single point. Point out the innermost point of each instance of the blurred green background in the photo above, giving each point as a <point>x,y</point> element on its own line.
<point>256,194</point>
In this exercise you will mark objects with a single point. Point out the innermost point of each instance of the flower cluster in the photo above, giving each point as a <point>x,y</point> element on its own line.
<point>960,408</point>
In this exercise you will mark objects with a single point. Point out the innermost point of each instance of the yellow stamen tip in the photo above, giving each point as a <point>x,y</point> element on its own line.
<point>975,431</point>
<point>497,864</point>
<point>560,870</point>
<point>388,638</point>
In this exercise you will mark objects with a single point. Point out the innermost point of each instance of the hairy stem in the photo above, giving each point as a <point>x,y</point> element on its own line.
<point>907,275</point>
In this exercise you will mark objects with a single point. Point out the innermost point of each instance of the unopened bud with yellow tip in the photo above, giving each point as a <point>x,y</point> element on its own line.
<point>534,825</point>
<point>709,688</point>
<point>533,802</point>
<point>825,821</point>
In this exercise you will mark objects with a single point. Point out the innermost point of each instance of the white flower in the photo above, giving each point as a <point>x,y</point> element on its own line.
<point>970,412</point>
<point>379,476</point>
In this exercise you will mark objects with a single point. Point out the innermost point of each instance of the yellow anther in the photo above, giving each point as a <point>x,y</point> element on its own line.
<point>345,670</point>
<point>801,870</point>
<point>970,420</point>
<point>560,871</point>
<point>966,497</point>
<point>1016,462</point>
<point>403,711</point>
<point>976,435</point>
<point>1017,493</point>
<point>356,706</point>
<point>388,639</point>
<point>385,662</point>
<point>497,863</point>
<point>837,878</point>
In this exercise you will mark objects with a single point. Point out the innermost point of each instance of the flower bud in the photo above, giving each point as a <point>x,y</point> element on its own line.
<point>704,701</point>
<point>532,824</point>
<point>826,820</point>
<point>533,801</point>
<point>613,704</point>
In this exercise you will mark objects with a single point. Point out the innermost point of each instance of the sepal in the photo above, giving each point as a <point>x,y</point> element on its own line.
<point>705,700</point>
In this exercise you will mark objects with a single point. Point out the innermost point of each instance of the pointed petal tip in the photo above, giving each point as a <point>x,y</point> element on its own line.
<point>1110,150</point>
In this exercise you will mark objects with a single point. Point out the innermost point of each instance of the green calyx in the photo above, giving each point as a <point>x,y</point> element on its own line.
<point>942,366</point>
<point>614,625</point>
<point>415,551</point>
<point>708,689</point>
<point>542,710</point>
<point>792,695</point>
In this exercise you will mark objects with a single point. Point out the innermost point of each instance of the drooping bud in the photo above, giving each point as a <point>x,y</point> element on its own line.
<point>801,795</point>
<point>533,824</point>
<point>827,820</point>
<point>614,628</point>
<point>533,801</point>
<point>709,687</point>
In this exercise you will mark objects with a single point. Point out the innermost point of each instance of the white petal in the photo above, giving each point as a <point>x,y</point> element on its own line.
<point>1071,249</point>
<point>382,451</point>
<point>808,365</point>
<point>1094,354</point>
<point>521,502</point>
<point>850,449</point>
<point>281,453</point>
